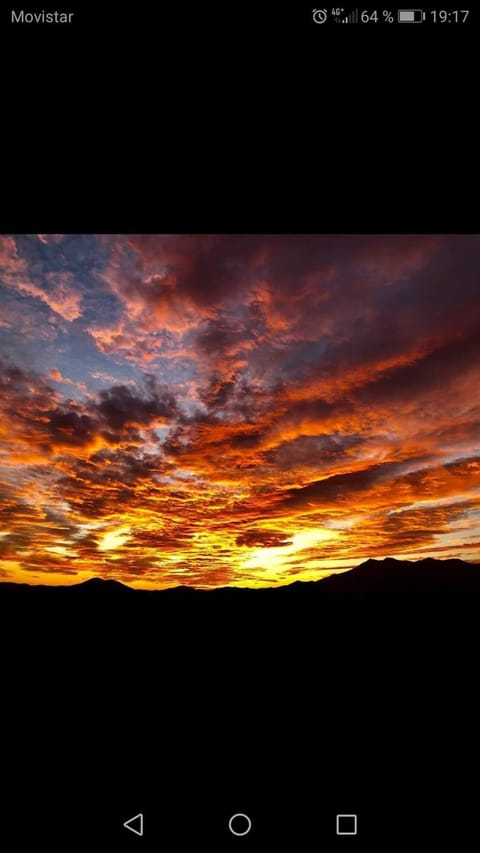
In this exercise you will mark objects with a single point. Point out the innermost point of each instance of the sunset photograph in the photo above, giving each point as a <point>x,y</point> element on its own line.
<point>236,410</point>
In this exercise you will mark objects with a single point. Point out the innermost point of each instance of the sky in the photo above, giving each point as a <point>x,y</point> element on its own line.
<point>243,410</point>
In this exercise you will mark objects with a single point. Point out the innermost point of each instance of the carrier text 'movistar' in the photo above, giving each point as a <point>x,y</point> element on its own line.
<point>55,17</point>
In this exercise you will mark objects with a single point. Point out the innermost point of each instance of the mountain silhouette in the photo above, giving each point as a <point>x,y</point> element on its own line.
<point>102,585</point>
<point>386,576</point>
<point>391,575</point>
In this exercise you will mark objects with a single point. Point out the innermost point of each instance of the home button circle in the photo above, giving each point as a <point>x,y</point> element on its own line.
<point>240,824</point>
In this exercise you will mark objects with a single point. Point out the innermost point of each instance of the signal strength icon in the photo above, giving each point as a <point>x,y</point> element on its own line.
<point>352,18</point>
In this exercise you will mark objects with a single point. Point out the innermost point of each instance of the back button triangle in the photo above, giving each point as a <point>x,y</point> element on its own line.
<point>135,824</point>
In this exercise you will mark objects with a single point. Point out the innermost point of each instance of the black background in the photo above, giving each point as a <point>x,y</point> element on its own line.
<point>245,118</point>
<point>242,119</point>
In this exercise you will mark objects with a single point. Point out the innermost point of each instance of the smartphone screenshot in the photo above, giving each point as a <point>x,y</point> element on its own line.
<point>239,429</point>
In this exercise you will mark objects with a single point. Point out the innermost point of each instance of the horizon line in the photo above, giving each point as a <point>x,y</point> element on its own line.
<point>334,573</point>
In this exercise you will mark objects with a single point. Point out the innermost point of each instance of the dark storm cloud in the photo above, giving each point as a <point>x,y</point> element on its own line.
<point>69,427</point>
<point>33,404</point>
<point>30,401</point>
<point>444,291</point>
<point>120,405</point>
<point>127,466</point>
<point>17,384</point>
<point>291,260</point>
<point>318,450</point>
<point>217,393</point>
<point>204,268</point>
<point>370,300</point>
<point>341,487</point>
<point>409,385</point>
<point>220,334</point>
<point>210,268</point>
<point>247,440</point>
<point>234,397</point>
<point>177,441</point>
<point>436,370</point>
<point>440,302</point>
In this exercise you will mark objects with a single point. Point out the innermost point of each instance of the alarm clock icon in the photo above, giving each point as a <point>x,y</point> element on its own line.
<point>319,15</point>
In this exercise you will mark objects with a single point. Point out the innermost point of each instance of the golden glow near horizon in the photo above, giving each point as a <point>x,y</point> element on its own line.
<point>273,561</point>
<point>114,539</point>
<point>236,410</point>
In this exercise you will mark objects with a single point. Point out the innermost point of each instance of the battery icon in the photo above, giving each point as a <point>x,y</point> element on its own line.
<point>410,16</point>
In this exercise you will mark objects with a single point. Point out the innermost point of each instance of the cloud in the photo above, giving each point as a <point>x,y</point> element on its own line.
<point>11,263</point>
<point>36,415</point>
<point>119,405</point>
<point>250,408</point>
<point>58,290</point>
<point>263,539</point>
<point>58,293</point>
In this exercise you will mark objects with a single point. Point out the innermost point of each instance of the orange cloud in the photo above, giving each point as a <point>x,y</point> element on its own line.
<point>60,297</point>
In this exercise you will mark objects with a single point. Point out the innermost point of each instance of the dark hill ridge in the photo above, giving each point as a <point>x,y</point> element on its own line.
<point>404,576</point>
<point>371,577</point>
